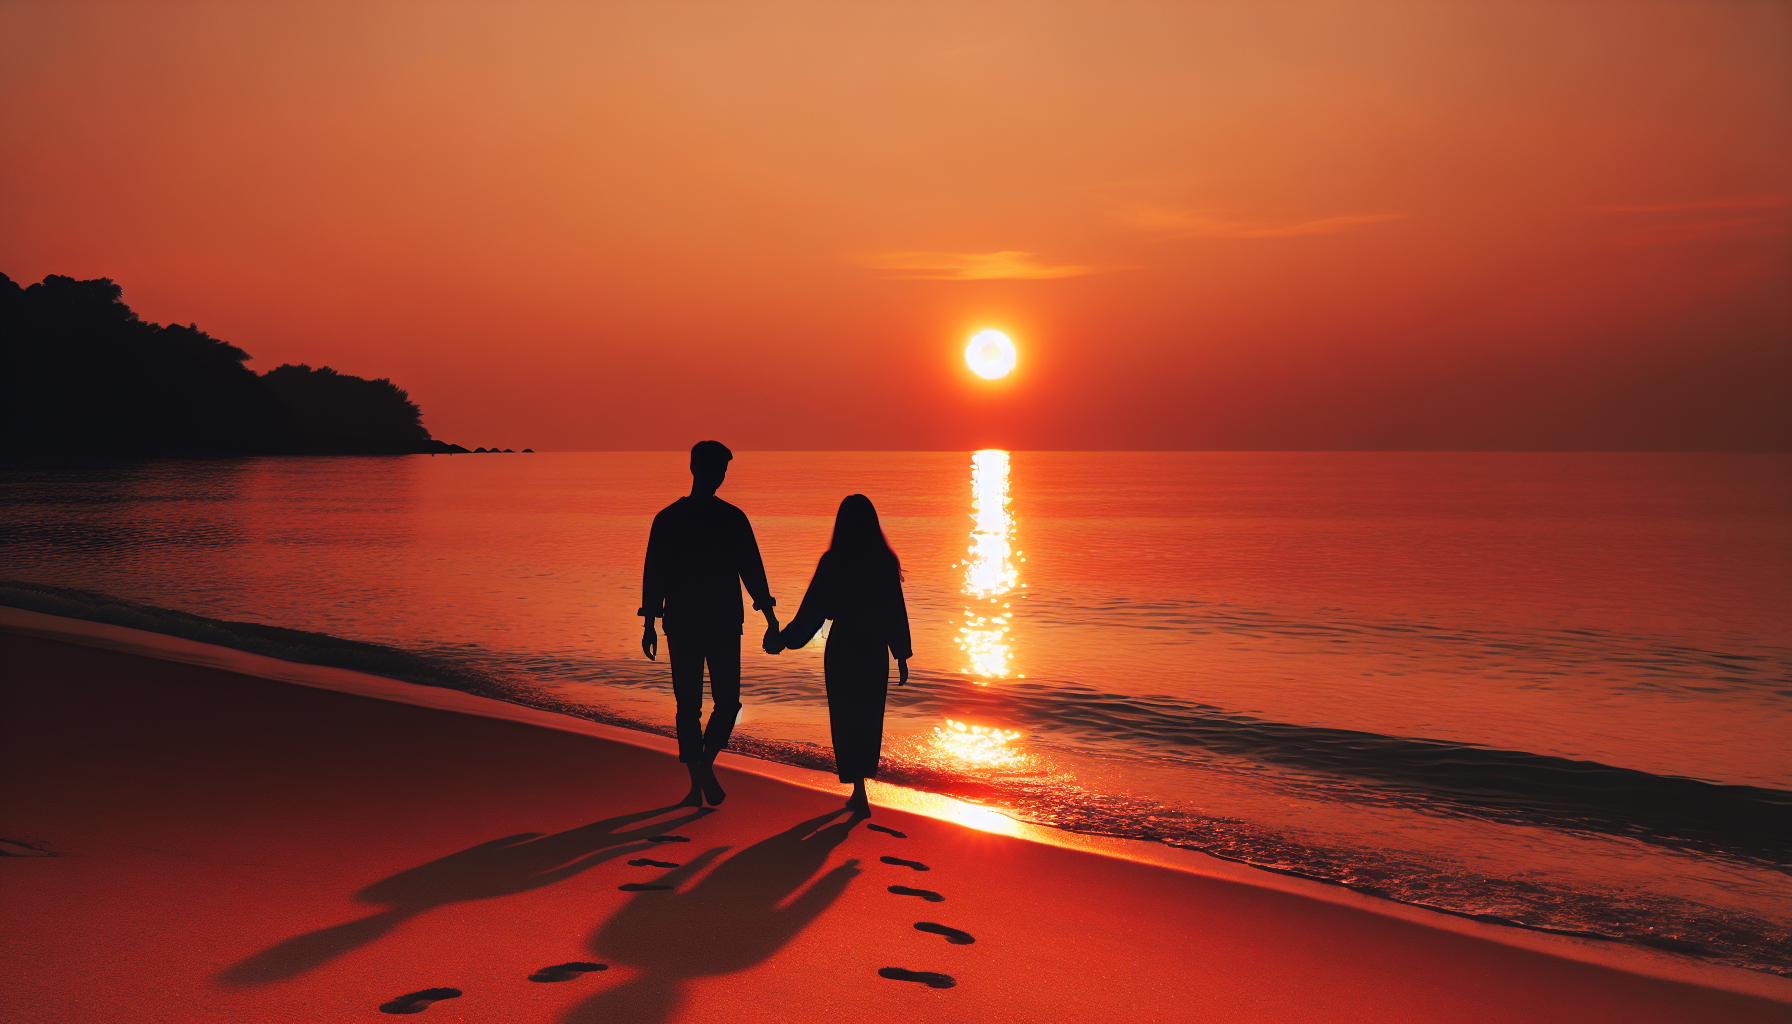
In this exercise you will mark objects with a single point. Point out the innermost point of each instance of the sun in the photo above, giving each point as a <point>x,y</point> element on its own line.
<point>990,354</point>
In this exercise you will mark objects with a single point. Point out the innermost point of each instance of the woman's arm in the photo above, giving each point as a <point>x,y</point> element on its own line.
<point>813,611</point>
<point>901,644</point>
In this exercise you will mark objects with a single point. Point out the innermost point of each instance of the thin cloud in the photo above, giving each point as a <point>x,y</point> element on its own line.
<point>1654,231</point>
<point>1704,231</point>
<point>1172,223</point>
<point>1006,265</point>
<point>1728,203</point>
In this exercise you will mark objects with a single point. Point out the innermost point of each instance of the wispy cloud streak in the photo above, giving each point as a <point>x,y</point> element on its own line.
<point>1705,231</point>
<point>1006,265</point>
<point>1772,220</point>
<point>1730,203</point>
<point>1173,223</point>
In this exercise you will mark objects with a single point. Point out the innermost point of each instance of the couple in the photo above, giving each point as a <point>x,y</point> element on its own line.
<point>700,552</point>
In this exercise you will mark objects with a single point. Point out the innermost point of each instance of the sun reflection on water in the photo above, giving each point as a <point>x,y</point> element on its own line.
<point>990,573</point>
<point>977,744</point>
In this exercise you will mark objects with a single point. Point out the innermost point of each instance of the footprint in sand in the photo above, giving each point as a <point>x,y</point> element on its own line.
<point>417,1002</point>
<point>643,862</point>
<point>932,979</point>
<point>567,972</point>
<point>953,935</point>
<point>917,865</point>
<point>927,894</point>
<point>668,839</point>
<point>640,887</point>
<point>891,831</point>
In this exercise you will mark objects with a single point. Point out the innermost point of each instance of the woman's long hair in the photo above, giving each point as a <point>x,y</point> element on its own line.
<point>859,542</point>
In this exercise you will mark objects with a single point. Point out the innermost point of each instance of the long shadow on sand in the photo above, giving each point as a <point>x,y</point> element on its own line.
<point>733,918</point>
<point>501,867</point>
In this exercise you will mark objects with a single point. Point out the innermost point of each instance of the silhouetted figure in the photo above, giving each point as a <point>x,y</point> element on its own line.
<point>700,552</point>
<point>859,586</point>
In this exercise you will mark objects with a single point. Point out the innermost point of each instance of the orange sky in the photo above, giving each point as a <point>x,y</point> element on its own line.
<point>1206,225</point>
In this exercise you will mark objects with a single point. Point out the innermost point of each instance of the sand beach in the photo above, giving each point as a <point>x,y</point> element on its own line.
<point>199,834</point>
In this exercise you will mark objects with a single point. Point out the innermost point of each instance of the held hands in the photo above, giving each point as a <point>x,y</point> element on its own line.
<point>901,671</point>
<point>650,641</point>
<point>772,643</point>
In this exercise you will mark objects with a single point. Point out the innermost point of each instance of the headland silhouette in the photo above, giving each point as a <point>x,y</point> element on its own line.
<point>82,376</point>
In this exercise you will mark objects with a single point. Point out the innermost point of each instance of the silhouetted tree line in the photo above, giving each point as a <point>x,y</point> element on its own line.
<point>81,375</point>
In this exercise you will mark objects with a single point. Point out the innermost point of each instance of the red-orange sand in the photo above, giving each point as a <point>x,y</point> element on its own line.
<point>211,831</point>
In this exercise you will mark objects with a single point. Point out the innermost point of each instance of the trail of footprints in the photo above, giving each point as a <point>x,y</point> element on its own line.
<point>567,972</point>
<point>952,935</point>
<point>647,862</point>
<point>932,979</point>
<point>417,1002</point>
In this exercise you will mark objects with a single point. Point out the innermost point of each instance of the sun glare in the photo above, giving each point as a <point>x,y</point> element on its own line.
<point>990,571</point>
<point>990,354</point>
<point>977,744</point>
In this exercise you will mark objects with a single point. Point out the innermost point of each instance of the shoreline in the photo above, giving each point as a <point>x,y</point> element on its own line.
<point>1637,962</point>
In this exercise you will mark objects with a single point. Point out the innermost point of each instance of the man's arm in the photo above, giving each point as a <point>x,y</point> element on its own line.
<point>653,591</point>
<point>752,573</point>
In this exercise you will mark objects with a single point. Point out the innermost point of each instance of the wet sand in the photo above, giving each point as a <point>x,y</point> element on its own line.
<point>314,846</point>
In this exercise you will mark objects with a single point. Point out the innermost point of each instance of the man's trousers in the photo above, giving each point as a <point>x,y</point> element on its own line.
<point>689,651</point>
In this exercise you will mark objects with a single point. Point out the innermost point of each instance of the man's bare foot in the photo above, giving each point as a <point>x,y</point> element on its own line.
<point>695,797</point>
<point>712,790</point>
<point>858,803</point>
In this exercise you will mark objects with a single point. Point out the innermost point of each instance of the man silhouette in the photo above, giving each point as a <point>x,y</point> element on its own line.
<point>699,553</point>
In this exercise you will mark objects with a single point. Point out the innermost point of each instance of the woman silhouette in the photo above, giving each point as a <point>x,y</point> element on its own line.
<point>858,585</point>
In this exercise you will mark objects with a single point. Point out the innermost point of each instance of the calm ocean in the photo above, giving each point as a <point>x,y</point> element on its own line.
<point>1553,690</point>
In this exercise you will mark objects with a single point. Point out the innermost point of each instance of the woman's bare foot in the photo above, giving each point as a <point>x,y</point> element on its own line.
<point>858,803</point>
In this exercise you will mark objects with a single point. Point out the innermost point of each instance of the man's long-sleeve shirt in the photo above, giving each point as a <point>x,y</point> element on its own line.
<point>699,553</point>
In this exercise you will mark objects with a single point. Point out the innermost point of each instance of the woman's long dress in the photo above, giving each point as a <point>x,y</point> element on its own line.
<point>870,624</point>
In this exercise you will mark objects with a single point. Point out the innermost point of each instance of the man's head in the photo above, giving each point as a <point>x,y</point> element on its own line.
<point>709,465</point>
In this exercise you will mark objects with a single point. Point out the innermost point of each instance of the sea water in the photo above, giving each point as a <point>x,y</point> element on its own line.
<point>1553,690</point>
